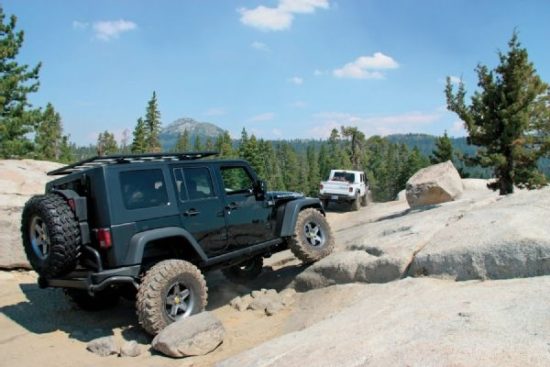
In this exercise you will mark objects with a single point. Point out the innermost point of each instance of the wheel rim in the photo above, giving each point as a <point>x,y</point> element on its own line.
<point>179,301</point>
<point>314,234</point>
<point>40,240</point>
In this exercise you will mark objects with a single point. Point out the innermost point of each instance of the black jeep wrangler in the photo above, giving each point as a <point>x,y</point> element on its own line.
<point>146,225</point>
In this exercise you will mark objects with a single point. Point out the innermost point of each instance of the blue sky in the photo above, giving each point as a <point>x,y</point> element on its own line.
<point>281,68</point>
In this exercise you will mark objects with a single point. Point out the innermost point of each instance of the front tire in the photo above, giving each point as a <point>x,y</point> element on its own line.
<point>51,235</point>
<point>246,271</point>
<point>356,203</point>
<point>365,199</point>
<point>169,291</point>
<point>313,238</point>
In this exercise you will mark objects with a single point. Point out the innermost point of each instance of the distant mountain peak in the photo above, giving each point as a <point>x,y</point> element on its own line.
<point>204,130</point>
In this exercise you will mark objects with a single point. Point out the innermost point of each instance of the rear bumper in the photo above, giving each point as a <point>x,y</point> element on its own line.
<point>337,197</point>
<point>94,281</point>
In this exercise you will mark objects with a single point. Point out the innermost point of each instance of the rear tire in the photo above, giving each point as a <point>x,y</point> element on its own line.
<point>313,238</point>
<point>356,203</point>
<point>365,199</point>
<point>51,235</point>
<point>170,290</point>
<point>102,300</point>
<point>246,271</point>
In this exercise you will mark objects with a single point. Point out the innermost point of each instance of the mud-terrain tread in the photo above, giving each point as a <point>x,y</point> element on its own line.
<point>63,231</point>
<point>365,199</point>
<point>149,300</point>
<point>303,251</point>
<point>356,203</point>
<point>240,276</point>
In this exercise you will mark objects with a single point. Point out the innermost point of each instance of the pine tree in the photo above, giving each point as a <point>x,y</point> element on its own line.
<point>313,176</point>
<point>356,145</point>
<point>153,125</point>
<point>106,144</point>
<point>290,167</point>
<point>139,144</point>
<point>508,118</point>
<point>182,144</point>
<point>49,135</point>
<point>224,145</point>
<point>67,150</point>
<point>16,82</point>
<point>443,150</point>
<point>197,144</point>
<point>324,162</point>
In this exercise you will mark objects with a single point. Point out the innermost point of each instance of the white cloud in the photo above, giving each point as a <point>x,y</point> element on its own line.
<point>367,67</point>
<point>268,116</point>
<point>280,17</point>
<point>373,125</point>
<point>111,29</point>
<point>318,72</point>
<point>260,46</point>
<point>277,133</point>
<point>457,128</point>
<point>80,25</point>
<point>296,80</point>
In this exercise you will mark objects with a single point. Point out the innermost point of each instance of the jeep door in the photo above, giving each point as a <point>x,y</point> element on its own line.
<point>201,207</point>
<point>249,221</point>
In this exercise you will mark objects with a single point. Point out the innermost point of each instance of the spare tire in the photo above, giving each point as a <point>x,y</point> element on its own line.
<point>51,235</point>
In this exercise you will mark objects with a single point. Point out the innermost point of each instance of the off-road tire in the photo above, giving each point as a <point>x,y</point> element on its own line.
<point>102,300</point>
<point>365,199</point>
<point>48,219</point>
<point>152,297</point>
<point>302,246</point>
<point>356,203</point>
<point>325,203</point>
<point>246,271</point>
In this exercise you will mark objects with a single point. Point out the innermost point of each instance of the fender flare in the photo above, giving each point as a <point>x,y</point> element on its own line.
<point>139,241</point>
<point>292,209</point>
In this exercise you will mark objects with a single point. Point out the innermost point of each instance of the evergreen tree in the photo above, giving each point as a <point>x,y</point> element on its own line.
<point>197,144</point>
<point>356,145</point>
<point>324,162</point>
<point>139,144</point>
<point>443,150</point>
<point>106,144</point>
<point>209,145</point>
<point>508,118</point>
<point>16,82</point>
<point>124,147</point>
<point>67,150</point>
<point>182,144</point>
<point>49,135</point>
<point>272,169</point>
<point>153,125</point>
<point>313,176</point>
<point>290,167</point>
<point>224,145</point>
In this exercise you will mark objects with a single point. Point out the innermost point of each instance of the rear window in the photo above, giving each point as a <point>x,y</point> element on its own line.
<point>143,189</point>
<point>344,176</point>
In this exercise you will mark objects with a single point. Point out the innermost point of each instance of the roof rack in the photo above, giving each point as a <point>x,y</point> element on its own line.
<point>128,158</point>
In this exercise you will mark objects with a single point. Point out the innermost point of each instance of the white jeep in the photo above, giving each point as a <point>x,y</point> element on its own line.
<point>345,186</point>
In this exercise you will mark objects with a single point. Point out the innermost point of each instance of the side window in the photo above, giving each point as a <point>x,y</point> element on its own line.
<point>236,180</point>
<point>180,184</point>
<point>198,183</point>
<point>143,189</point>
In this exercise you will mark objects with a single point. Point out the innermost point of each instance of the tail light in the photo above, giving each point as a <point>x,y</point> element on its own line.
<point>350,189</point>
<point>320,186</point>
<point>72,204</point>
<point>104,238</point>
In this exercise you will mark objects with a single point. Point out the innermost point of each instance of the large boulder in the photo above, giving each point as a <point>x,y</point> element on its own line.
<point>421,322</point>
<point>19,180</point>
<point>191,336</point>
<point>434,185</point>
<point>508,239</point>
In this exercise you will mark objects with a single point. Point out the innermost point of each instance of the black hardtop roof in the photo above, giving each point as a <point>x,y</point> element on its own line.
<point>101,161</point>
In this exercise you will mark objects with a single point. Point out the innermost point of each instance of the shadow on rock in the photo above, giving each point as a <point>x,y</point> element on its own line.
<point>221,290</point>
<point>48,310</point>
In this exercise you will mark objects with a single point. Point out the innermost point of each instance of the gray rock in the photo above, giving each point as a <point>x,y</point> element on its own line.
<point>508,239</point>
<point>274,308</point>
<point>20,179</point>
<point>192,336</point>
<point>434,185</point>
<point>130,349</point>
<point>422,322</point>
<point>104,346</point>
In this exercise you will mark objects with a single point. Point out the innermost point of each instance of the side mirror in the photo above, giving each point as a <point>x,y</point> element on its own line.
<point>260,188</point>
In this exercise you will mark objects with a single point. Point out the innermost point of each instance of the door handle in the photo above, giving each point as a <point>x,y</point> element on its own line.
<point>191,212</point>
<point>232,206</point>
